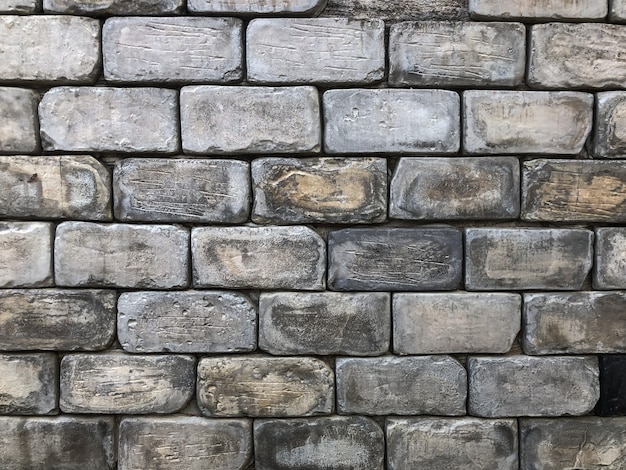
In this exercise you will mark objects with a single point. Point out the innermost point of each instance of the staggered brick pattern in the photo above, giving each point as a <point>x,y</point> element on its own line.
<point>309,234</point>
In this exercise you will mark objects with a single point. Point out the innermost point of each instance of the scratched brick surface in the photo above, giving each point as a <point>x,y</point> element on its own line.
<point>18,120</point>
<point>19,6</point>
<point>28,384</point>
<point>257,7</point>
<point>609,139</point>
<point>26,254</point>
<point>539,10</point>
<point>617,11</point>
<point>113,7</point>
<point>609,271</point>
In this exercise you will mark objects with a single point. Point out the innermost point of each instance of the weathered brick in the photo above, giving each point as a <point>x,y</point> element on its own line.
<point>520,259</point>
<point>398,11</point>
<point>612,386</point>
<point>18,7</point>
<point>401,386</point>
<point>257,7</point>
<point>315,50</point>
<point>394,259</point>
<point>28,384</point>
<point>127,384</point>
<point>165,50</point>
<point>505,122</point>
<point>18,120</point>
<point>609,138</point>
<point>307,443</point>
<point>99,119</point>
<point>617,11</point>
<point>532,386</point>
<point>457,54</point>
<point>324,323</point>
<point>326,190</point>
<point>184,443</point>
<point>391,121</point>
<point>186,322</point>
<point>114,7</point>
<point>455,188</point>
<point>609,270</point>
<point>539,10</point>
<point>446,443</point>
<point>117,255</point>
<point>258,257</point>
<point>456,322</point>
<point>260,386</point>
<point>167,190</point>
<point>26,254</point>
<point>56,319</point>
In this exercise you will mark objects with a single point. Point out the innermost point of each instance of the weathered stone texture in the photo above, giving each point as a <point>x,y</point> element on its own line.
<point>114,7</point>
<point>612,386</point>
<point>455,188</point>
<point>609,137</point>
<point>18,7</point>
<point>18,120</point>
<point>257,7</point>
<point>401,386</point>
<point>28,384</point>
<point>617,11</point>
<point>26,254</point>
<point>315,50</point>
<point>532,386</point>
<point>186,322</point>
<point>609,270</point>
<point>259,386</point>
<point>513,122</point>
<point>457,54</point>
<point>398,11</point>
<point>539,10</point>
<point>391,121</point>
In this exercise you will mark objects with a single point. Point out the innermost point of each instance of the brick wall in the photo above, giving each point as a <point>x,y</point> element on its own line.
<point>286,234</point>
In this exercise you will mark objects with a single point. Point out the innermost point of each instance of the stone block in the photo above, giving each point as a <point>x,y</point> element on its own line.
<point>250,120</point>
<point>118,255</point>
<point>315,50</point>
<point>396,259</point>
<point>450,10</point>
<point>617,12</point>
<point>324,323</point>
<point>126,384</point>
<point>100,119</point>
<point>455,322</point>
<point>539,10</point>
<point>455,54</point>
<point>527,258</point>
<point>18,120</point>
<point>401,386</point>
<point>514,122</point>
<point>455,188</point>
<point>391,121</point>
<point>26,254</point>
<point>609,270</point>
<point>258,386</point>
<point>257,7</point>
<point>181,190</point>
<point>114,7</point>
<point>532,386</point>
<point>609,137</point>
<point>184,443</point>
<point>186,322</point>
<point>612,386</point>
<point>60,187</point>
<point>170,50</point>
<point>56,319</point>
<point>28,384</point>
<point>19,7</point>
<point>292,258</point>
<point>446,443</point>
<point>319,190</point>
<point>307,443</point>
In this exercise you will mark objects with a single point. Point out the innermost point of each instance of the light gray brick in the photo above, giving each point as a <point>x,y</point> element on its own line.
<point>114,7</point>
<point>617,11</point>
<point>28,384</point>
<point>26,254</point>
<point>398,11</point>
<point>257,7</point>
<point>18,120</point>
<point>609,270</point>
<point>609,138</point>
<point>18,7</point>
<point>539,10</point>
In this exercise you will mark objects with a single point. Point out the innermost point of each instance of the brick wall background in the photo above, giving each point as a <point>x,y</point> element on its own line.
<point>285,234</point>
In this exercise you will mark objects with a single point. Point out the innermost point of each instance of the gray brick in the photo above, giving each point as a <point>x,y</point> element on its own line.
<point>319,190</point>
<point>181,190</point>
<point>401,386</point>
<point>28,384</point>
<point>609,271</point>
<point>391,121</point>
<point>457,54</point>
<point>18,7</point>
<point>99,119</point>
<point>539,10</point>
<point>315,50</point>
<point>609,140</point>
<point>617,11</point>
<point>114,7</point>
<point>18,120</point>
<point>324,323</point>
<point>118,255</point>
<point>398,11</point>
<point>26,254</point>
<point>186,322</point>
<point>257,7</point>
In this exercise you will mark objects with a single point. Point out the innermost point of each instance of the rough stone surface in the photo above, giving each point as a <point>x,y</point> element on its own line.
<point>26,254</point>
<point>19,6</point>
<point>609,137</point>
<point>326,190</point>
<point>28,384</point>
<point>401,386</point>
<point>167,190</point>
<point>532,386</point>
<point>18,120</point>
<point>315,50</point>
<point>527,258</point>
<point>455,322</point>
<point>538,10</point>
<point>122,383</point>
<point>609,270</point>
<point>307,443</point>
<point>258,258</point>
<point>398,11</point>
<point>56,319</point>
<point>99,119</point>
<point>617,11</point>
<point>386,259</point>
<point>446,443</point>
<point>166,50</point>
<point>259,386</point>
<point>513,122</point>
<point>114,7</point>
<point>257,7</point>
<point>184,443</point>
<point>186,322</point>
<point>612,386</point>
<point>250,120</point>
<point>391,121</point>
<point>455,188</point>
<point>118,255</point>
<point>457,54</point>
<point>325,323</point>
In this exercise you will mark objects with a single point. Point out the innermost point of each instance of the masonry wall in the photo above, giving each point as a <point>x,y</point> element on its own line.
<point>285,234</point>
